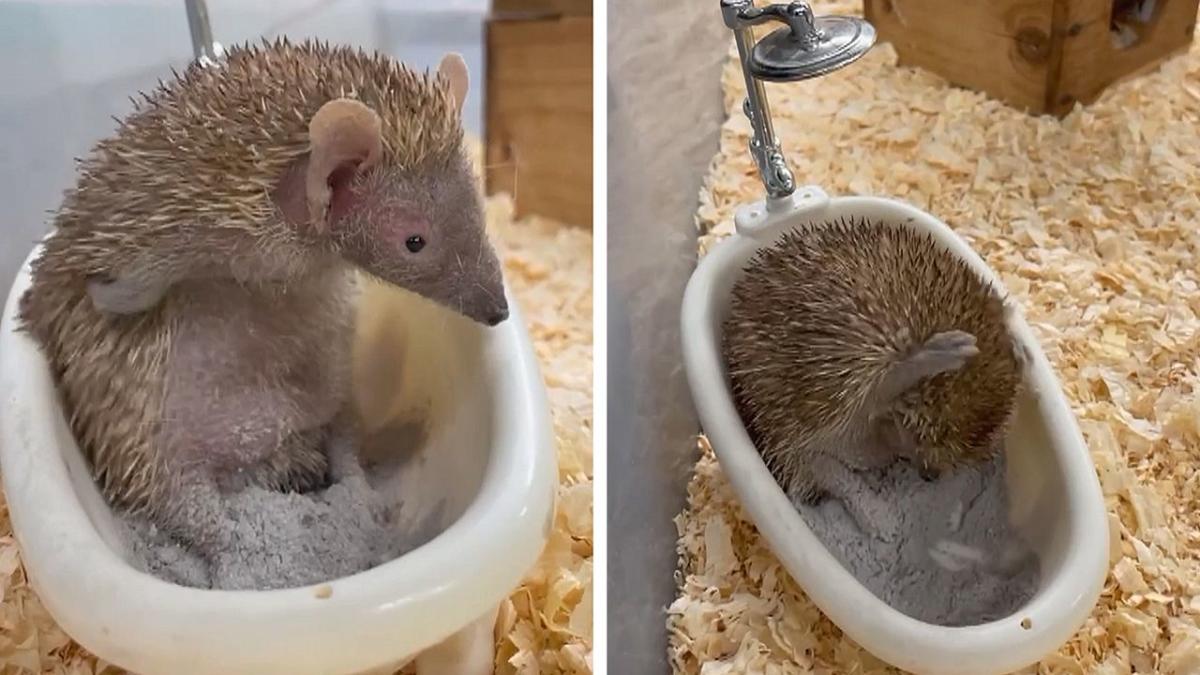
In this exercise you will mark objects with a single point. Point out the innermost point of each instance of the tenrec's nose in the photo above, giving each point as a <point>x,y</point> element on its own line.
<point>498,317</point>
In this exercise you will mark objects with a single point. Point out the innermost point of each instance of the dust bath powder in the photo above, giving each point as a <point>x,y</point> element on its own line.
<point>288,540</point>
<point>957,561</point>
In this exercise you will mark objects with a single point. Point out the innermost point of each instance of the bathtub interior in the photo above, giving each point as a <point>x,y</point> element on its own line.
<point>426,386</point>
<point>425,389</point>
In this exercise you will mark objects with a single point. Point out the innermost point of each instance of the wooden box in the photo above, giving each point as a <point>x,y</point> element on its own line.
<point>1039,55</point>
<point>538,109</point>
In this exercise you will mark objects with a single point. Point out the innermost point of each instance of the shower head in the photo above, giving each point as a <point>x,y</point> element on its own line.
<point>810,47</point>
<point>807,46</point>
<point>207,51</point>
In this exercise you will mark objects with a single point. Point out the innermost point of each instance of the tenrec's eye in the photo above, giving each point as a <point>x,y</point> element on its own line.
<point>415,243</point>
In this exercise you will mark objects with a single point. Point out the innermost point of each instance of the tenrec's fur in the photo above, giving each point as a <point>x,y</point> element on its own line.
<point>200,154</point>
<point>819,318</point>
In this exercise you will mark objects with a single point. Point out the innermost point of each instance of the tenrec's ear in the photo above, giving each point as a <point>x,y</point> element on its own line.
<point>345,138</point>
<point>454,69</point>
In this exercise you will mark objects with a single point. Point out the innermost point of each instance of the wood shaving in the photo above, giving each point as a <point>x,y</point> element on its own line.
<point>1092,223</point>
<point>545,626</point>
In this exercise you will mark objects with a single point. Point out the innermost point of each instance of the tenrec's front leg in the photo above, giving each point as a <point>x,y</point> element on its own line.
<point>470,651</point>
<point>941,353</point>
<point>221,419</point>
<point>829,467</point>
<point>139,279</point>
<point>208,439</point>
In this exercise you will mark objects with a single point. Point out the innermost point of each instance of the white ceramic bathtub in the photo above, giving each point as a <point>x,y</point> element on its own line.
<point>483,480</point>
<point>1055,494</point>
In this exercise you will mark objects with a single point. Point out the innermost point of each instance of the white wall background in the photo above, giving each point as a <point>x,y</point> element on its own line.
<point>68,66</point>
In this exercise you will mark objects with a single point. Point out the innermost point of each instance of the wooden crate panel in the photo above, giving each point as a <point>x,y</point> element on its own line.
<point>1039,55</point>
<point>978,44</point>
<point>539,116</point>
<point>542,7</point>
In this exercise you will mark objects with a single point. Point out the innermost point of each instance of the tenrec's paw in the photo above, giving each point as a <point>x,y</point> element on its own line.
<point>952,341</point>
<point>948,351</point>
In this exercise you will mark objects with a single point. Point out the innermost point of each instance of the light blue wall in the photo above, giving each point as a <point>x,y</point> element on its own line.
<point>68,67</point>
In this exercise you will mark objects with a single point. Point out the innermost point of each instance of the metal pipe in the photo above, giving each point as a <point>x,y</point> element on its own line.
<point>777,178</point>
<point>808,47</point>
<point>204,48</point>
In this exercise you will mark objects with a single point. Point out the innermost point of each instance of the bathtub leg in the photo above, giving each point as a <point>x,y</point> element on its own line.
<point>470,651</point>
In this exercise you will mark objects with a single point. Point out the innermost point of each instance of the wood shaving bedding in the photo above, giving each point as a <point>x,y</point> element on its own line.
<point>1093,223</point>
<point>545,626</point>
